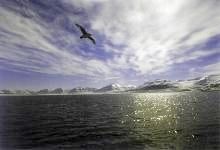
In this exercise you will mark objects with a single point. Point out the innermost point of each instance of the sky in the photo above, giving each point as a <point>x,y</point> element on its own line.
<point>136,41</point>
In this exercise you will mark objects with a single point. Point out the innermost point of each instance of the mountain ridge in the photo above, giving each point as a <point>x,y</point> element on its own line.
<point>206,83</point>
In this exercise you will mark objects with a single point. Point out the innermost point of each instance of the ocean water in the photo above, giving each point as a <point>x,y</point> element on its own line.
<point>153,121</point>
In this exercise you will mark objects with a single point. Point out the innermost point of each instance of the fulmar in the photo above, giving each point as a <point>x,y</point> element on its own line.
<point>85,34</point>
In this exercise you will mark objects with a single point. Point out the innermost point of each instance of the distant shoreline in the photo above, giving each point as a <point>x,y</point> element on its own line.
<point>108,93</point>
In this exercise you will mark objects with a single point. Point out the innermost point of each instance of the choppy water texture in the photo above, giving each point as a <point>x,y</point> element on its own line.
<point>119,121</point>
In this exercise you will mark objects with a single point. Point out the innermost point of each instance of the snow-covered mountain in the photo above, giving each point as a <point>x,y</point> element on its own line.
<point>111,87</point>
<point>57,91</point>
<point>201,83</point>
<point>22,92</point>
<point>81,89</point>
<point>6,91</point>
<point>157,84</point>
<point>43,91</point>
<point>130,87</point>
<point>185,84</point>
<point>210,82</point>
<point>115,87</point>
<point>17,92</point>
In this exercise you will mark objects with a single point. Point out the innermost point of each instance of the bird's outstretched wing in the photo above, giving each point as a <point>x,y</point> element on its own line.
<point>81,29</point>
<point>93,40</point>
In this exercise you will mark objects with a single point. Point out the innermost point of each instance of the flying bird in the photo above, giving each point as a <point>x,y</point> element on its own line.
<point>85,34</point>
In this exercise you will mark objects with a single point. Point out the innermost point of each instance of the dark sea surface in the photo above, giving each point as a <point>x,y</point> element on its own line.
<point>182,121</point>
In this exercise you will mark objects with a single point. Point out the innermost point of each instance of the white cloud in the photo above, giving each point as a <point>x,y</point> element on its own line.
<point>145,36</point>
<point>156,31</point>
<point>212,68</point>
<point>26,46</point>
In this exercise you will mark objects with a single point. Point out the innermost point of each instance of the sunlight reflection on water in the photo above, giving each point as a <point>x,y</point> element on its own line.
<point>188,120</point>
<point>173,115</point>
